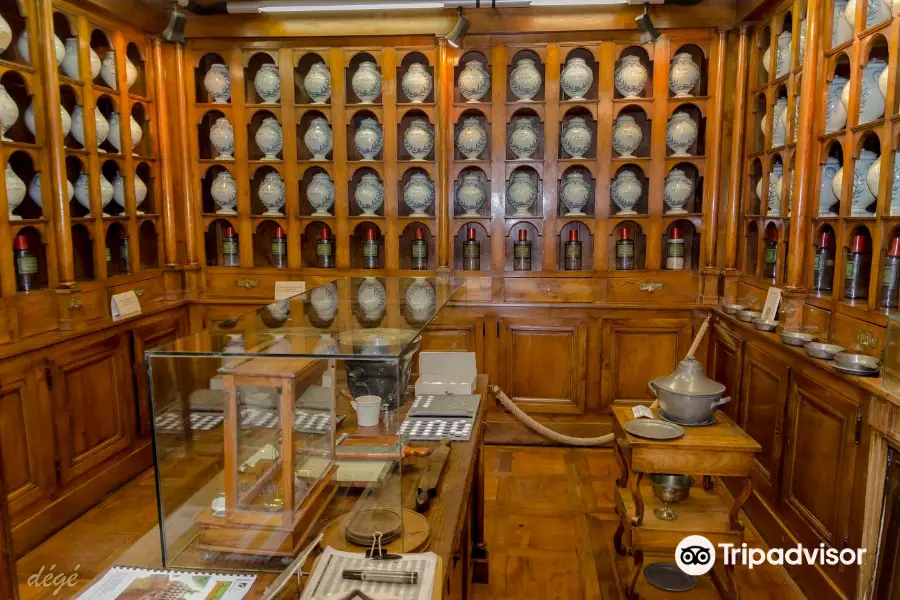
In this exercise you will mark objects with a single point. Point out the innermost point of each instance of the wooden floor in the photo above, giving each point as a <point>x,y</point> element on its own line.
<point>550,523</point>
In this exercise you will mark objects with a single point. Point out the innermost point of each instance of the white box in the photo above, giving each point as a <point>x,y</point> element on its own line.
<point>446,373</point>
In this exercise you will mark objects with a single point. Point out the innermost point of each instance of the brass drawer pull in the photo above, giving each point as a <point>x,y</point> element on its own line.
<point>866,339</point>
<point>74,303</point>
<point>650,286</point>
<point>548,287</point>
<point>140,291</point>
<point>247,283</point>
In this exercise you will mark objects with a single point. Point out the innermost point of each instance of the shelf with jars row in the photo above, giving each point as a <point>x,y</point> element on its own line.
<point>109,230</point>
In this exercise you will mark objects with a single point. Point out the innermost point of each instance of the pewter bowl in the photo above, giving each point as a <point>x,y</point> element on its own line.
<point>765,325</point>
<point>730,309</point>
<point>857,362</point>
<point>747,315</point>
<point>823,351</point>
<point>796,338</point>
<point>671,488</point>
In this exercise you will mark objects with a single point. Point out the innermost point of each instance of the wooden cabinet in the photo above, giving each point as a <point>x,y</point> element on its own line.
<point>726,352</point>
<point>543,363</point>
<point>455,332</point>
<point>764,393</point>
<point>144,338</point>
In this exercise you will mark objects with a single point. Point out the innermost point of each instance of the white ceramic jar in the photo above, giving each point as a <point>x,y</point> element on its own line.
<point>684,74</point>
<point>267,83</point>
<point>471,141</point>
<point>420,299</point>
<point>131,73</point>
<point>471,193</point>
<point>681,133</point>
<point>69,64</point>
<point>783,54</point>
<point>119,190</point>
<point>677,190</point>
<point>324,300</point>
<point>576,139</point>
<point>63,114</point>
<point>15,192</point>
<point>102,128</point>
<point>418,139</point>
<point>317,83</point>
<point>473,81</point>
<point>221,136</point>
<point>372,298</point>
<point>369,194</point>
<point>418,194</point>
<point>873,175</point>
<point>877,11</point>
<point>627,136</point>
<point>320,194</point>
<point>862,195</point>
<point>368,139</point>
<point>9,112</point>
<point>576,78</point>
<point>841,28</point>
<point>366,82</point>
<point>224,193</point>
<point>630,77</point>
<point>778,125</point>
<point>115,131</point>
<point>106,193</point>
<point>773,201</point>
<point>575,194</point>
<point>318,138</point>
<point>217,82</point>
<point>521,193</point>
<point>802,42</point>
<point>883,82</point>
<point>59,49</point>
<point>525,80</point>
<point>523,139</point>
<point>827,197</point>
<point>140,193</point>
<point>269,138</point>
<point>271,194</point>
<point>835,111</point>
<point>34,190</point>
<point>108,69</point>
<point>895,186</point>
<point>850,14</point>
<point>82,193</point>
<point>625,191</point>
<point>5,34</point>
<point>871,102</point>
<point>837,182</point>
<point>416,83</point>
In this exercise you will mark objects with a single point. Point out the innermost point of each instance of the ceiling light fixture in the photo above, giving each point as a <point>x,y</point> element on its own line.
<point>458,35</point>
<point>308,6</point>
<point>304,7</point>
<point>649,33</point>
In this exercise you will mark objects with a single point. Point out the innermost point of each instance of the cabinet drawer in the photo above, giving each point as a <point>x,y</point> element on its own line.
<point>857,336</point>
<point>91,305</point>
<point>548,290</point>
<point>658,288</point>
<point>476,289</point>
<point>37,312</point>
<point>147,291</point>
<point>243,285</point>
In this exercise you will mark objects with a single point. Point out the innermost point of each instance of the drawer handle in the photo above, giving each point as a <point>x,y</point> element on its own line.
<point>752,300</point>
<point>140,291</point>
<point>74,303</point>
<point>866,339</point>
<point>247,283</point>
<point>650,286</point>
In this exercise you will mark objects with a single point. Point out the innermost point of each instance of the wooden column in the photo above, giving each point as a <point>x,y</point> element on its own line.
<point>192,268</point>
<point>714,169</point>
<point>733,203</point>
<point>795,290</point>
<point>165,164</point>
<point>444,144</point>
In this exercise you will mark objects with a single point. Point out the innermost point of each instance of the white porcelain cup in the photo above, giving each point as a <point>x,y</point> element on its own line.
<point>368,409</point>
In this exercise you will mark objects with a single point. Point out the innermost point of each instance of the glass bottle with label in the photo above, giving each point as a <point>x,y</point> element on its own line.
<point>675,250</point>
<point>230,256</point>
<point>573,252</point>
<point>770,256</point>
<point>857,269</point>
<point>522,252</point>
<point>26,265</point>
<point>823,267</point>
<point>890,276</point>
<point>624,251</point>
<point>279,249</point>
<point>325,250</point>
<point>370,250</point>
<point>124,262</point>
<point>471,251</point>
<point>418,252</point>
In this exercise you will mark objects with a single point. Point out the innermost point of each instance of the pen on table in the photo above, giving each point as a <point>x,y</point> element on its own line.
<point>381,576</point>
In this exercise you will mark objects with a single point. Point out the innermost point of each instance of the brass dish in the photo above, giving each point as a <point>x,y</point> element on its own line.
<point>670,489</point>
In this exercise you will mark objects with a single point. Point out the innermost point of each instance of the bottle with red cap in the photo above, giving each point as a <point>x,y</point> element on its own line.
<point>26,265</point>
<point>624,251</point>
<point>418,252</point>
<point>471,251</point>
<point>522,252</point>
<point>823,267</point>
<point>890,276</point>
<point>857,269</point>
<point>230,256</point>
<point>279,249</point>
<point>675,250</point>
<point>770,255</point>
<point>370,250</point>
<point>573,251</point>
<point>124,252</point>
<point>325,250</point>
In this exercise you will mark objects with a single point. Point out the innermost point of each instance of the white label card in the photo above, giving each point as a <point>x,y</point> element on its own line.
<point>641,411</point>
<point>125,304</point>
<point>286,289</point>
<point>770,310</point>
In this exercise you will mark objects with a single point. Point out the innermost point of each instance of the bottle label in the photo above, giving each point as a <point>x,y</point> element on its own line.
<point>817,265</point>
<point>123,252</point>
<point>522,251</point>
<point>852,268</point>
<point>229,247</point>
<point>279,247</point>
<point>624,250</point>
<point>370,250</point>
<point>674,250</point>
<point>323,249</point>
<point>770,256</point>
<point>26,265</point>
<point>419,251</point>
<point>573,250</point>
<point>108,255</point>
<point>891,271</point>
<point>674,263</point>
<point>472,250</point>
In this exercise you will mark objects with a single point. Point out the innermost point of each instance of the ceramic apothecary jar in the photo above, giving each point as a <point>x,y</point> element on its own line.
<point>627,136</point>
<point>9,112</point>
<point>369,194</point>
<point>630,77</point>
<point>418,139</point>
<point>525,80</point>
<point>676,192</point>
<point>271,194</point>
<point>871,102</point>
<point>474,81</point>
<point>521,193</point>
<point>416,83</point>
<point>778,124</point>
<point>418,194</point>
<point>420,299</point>
<point>681,133</point>
<point>59,48</point>
<point>267,83</point>
<point>576,138</point>
<point>6,34</point>
<point>471,139</point>
<point>221,136</point>
<point>625,192</point>
<point>317,83</point>
<point>217,82</point>
<point>224,193</point>
<point>895,186</point>
<point>773,202</point>
<point>15,192</point>
<point>318,138</point>
<point>863,197</point>
<point>320,194</point>
<point>523,139</point>
<point>368,139</point>
<point>576,78</point>
<point>684,74</point>
<point>366,82</point>
<point>70,61</point>
<point>841,28</point>
<point>827,197</point>
<point>471,193</point>
<point>575,194</point>
<point>835,110</point>
<point>269,139</point>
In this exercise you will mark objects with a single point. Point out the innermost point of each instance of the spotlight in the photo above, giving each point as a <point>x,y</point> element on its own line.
<point>649,33</point>
<point>174,31</point>
<point>456,37</point>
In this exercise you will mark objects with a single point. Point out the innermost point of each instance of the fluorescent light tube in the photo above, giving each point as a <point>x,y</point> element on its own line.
<point>347,6</point>
<point>548,3</point>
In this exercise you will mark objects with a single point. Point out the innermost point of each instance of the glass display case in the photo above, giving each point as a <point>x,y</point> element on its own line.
<point>262,433</point>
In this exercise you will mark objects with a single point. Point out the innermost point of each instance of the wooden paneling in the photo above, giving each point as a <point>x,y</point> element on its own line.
<point>455,335</point>
<point>725,364</point>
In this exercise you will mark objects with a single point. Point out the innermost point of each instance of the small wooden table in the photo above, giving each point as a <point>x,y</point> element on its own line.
<point>719,450</point>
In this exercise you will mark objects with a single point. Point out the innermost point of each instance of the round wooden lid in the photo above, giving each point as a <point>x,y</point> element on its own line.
<point>364,526</point>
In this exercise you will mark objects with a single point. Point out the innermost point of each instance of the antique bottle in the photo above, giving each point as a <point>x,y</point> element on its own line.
<point>889,279</point>
<point>770,256</point>
<point>471,251</point>
<point>522,252</point>
<point>370,251</point>
<point>279,249</point>
<point>124,254</point>
<point>418,252</point>
<point>26,265</point>
<point>823,267</point>
<point>857,269</point>
<point>675,250</point>
<point>230,256</point>
<point>573,252</point>
<point>325,250</point>
<point>624,251</point>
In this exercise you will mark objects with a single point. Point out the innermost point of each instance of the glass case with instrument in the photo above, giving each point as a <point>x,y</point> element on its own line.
<point>284,423</point>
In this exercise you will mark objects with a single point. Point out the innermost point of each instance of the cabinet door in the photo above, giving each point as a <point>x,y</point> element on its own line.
<point>542,363</point>
<point>93,405</point>
<point>144,338</point>
<point>764,393</point>
<point>636,351</point>
<point>455,331</point>
<point>726,355</point>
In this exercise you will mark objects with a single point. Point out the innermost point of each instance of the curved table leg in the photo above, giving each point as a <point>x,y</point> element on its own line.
<point>638,500</point>
<point>738,503</point>
<point>725,583</point>
<point>622,481</point>
<point>638,556</point>
<point>617,539</point>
